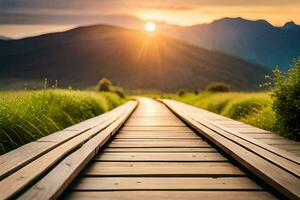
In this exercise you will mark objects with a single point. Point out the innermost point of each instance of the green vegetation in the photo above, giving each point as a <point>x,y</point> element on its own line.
<point>105,85</point>
<point>218,87</point>
<point>28,115</point>
<point>252,108</point>
<point>286,96</point>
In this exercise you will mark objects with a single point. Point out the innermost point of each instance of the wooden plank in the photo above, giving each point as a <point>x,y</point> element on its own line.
<point>26,175</point>
<point>280,141</point>
<point>173,156</point>
<point>171,128</point>
<point>171,195</point>
<point>264,136</point>
<point>170,149</point>
<point>274,175</point>
<point>16,159</point>
<point>196,140</point>
<point>155,126</point>
<point>157,133</point>
<point>287,146</point>
<point>62,136</point>
<point>205,169</point>
<point>251,130</point>
<point>170,183</point>
<point>160,144</point>
<point>145,136</point>
<point>56,181</point>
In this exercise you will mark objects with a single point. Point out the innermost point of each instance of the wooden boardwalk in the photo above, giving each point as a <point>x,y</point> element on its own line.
<point>155,155</point>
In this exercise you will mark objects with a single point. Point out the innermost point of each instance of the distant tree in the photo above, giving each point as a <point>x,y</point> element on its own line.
<point>104,85</point>
<point>218,87</point>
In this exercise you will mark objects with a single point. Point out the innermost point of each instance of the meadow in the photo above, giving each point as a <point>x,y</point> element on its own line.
<point>26,116</point>
<point>254,108</point>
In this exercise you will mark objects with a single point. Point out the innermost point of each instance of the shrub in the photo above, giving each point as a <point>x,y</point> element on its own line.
<point>104,85</point>
<point>240,108</point>
<point>286,101</point>
<point>218,87</point>
<point>119,91</point>
<point>181,92</point>
<point>264,118</point>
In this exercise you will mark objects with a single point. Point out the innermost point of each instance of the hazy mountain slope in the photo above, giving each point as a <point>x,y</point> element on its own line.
<point>4,38</point>
<point>255,41</point>
<point>133,59</point>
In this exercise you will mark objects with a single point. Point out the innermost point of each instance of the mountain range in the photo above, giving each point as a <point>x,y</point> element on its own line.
<point>258,41</point>
<point>130,58</point>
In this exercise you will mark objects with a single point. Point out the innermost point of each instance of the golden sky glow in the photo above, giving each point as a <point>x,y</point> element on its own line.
<point>33,17</point>
<point>275,15</point>
<point>150,27</point>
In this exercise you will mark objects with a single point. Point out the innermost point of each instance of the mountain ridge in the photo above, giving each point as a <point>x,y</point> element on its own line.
<point>130,58</point>
<point>255,41</point>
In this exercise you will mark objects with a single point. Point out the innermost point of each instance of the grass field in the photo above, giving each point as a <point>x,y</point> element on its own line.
<point>28,115</point>
<point>254,108</point>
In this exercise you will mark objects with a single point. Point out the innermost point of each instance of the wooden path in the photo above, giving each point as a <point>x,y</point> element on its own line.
<point>155,155</point>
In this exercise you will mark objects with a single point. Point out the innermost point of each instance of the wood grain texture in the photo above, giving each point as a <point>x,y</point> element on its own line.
<point>170,149</point>
<point>170,183</point>
<point>159,144</point>
<point>173,156</point>
<point>171,195</point>
<point>213,169</point>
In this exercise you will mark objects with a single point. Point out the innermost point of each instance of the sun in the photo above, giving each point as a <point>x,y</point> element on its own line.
<point>150,27</point>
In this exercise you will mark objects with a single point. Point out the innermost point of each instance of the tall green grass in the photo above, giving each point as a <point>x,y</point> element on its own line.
<point>26,116</point>
<point>254,108</point>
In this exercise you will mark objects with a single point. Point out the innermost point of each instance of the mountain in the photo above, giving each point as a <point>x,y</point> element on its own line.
<point>255,41</point>
<point>291,26</point>
<point>4,38</point>
<point>130,58</point>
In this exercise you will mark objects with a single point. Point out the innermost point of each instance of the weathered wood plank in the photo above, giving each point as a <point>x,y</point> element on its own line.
<point>157,128</point>
<point>160,144</point>
<point>16,159</point>
<point>170,183</point>
<point>145,136</point>
<point>170,149</point>
<point>206,169</point>
<point>281,141</point>
<point>187,156</point>
<point>264,136</point>
<point>171,195</point>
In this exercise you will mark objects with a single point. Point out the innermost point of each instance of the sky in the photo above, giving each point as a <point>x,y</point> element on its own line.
<point>22,18</point>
